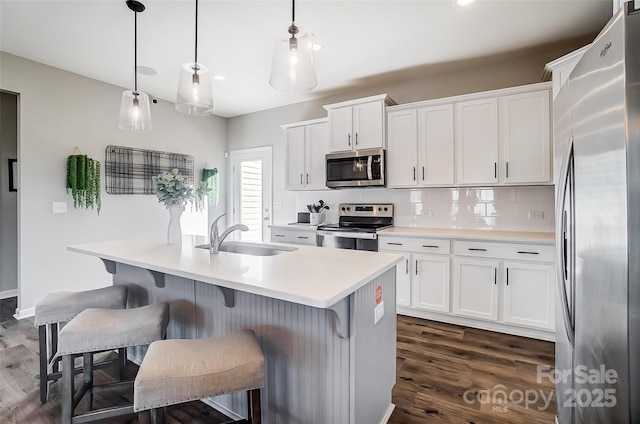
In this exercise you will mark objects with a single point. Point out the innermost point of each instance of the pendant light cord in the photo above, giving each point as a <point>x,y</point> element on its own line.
<point>135,52</point>
<point>196,55</point>
<point>293,11</point>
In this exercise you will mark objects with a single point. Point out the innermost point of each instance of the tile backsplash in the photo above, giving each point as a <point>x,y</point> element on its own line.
<point>498,208</point>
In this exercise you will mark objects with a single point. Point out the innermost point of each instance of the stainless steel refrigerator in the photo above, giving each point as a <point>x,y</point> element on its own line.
<point>597,170</point>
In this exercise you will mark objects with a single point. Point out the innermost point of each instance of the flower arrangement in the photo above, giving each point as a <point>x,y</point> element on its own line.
<point>173,188</point>
<point>313,208</point>
<point>83,179</point>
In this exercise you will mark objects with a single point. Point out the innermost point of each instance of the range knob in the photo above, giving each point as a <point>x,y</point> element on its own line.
<point>379,208</point>
<point>343,208</point>
<point>386,209</point>
<point>348,208</point>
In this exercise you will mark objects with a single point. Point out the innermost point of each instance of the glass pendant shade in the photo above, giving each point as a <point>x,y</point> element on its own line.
<point>293,68</point>
<point>135,114</point>
<point>195,92</point>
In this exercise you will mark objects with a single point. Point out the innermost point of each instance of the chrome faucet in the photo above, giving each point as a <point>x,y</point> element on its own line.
<point>215,240</point>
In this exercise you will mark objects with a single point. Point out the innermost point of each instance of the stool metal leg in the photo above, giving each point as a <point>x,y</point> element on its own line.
<point>67,389</point>
<point>87,377</point>
<point>122,363</point>
<point>54,346</point>
<point>254,414</point>
<point>44,359</point>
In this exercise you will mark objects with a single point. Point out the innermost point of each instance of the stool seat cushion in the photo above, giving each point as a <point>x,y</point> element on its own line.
<point>94,329</point>
<point>62,306</point>
<point>176,371</point>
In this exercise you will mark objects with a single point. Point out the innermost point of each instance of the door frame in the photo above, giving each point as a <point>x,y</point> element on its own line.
<point>265,153</point>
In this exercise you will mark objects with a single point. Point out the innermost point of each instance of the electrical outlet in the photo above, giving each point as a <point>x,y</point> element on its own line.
<point>427,213</point>
<point>536,215</point>
<point>378,312</point>
<point>59,207</point>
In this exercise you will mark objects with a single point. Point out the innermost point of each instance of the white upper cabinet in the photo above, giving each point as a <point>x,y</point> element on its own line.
<point>525,138</point>
<point>402,148</point>
<point>420,147</point>
<point>561,68</point>
<point>477,143</point>
<point>306,146</point>
<point>357,124</point>
<point>435,145</point>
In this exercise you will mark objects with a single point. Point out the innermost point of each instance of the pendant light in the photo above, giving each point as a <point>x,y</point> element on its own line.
<point>292,68</point>
<point>135,114</point>
<point>195,94</point>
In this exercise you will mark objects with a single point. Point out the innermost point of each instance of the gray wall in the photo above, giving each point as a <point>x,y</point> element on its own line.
<point>8,199</point>
<point>59,111</point>
<point>444,80</point>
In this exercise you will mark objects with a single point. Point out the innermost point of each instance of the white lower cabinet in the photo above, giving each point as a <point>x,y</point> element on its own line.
<point>500,286</point>
<point>529,294</point>
<point>431,282</point>
<point>403,281</point>
<point>475,288</point>
<point>422,279</point>
<point>293,235</point>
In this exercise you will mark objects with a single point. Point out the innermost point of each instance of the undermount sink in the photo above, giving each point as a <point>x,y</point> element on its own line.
<point>254,249</point>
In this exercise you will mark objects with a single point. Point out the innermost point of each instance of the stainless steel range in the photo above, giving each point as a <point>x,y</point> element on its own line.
<point>357,227</point>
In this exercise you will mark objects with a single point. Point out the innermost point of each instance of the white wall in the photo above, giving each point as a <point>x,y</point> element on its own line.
<point>59,111</point>
<point>8,199</point>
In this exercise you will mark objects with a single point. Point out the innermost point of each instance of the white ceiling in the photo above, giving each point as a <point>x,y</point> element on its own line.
<point>362,39</point>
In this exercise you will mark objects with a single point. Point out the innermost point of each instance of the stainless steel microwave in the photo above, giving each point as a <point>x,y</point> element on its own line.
<point>360,168</point>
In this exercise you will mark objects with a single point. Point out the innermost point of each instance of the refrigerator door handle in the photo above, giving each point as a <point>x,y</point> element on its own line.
<point>561,245</point>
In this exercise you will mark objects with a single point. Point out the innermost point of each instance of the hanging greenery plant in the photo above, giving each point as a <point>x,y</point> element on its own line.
<point>83,179</point>
<point>209,185</point>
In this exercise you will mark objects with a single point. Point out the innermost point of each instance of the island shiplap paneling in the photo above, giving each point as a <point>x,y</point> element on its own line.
<point>306,362</point>
<point>142,290</point>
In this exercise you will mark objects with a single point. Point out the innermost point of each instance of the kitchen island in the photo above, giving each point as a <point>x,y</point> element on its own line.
<point>325,319</point>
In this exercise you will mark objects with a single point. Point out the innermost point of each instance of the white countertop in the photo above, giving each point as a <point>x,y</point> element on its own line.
<point>295,226</point>
<point>490,235</point>
<point>313,276</point>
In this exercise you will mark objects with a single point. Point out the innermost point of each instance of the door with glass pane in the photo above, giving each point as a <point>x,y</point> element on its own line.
<point>250,192</point>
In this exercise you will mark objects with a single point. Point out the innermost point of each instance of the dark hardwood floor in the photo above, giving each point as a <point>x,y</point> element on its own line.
<point>445,374</point>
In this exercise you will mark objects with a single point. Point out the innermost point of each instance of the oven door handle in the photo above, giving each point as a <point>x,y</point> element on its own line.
<point>347,234</point>
<point>369,170</point>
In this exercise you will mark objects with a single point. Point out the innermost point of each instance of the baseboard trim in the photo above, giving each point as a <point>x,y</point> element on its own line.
<point>25,313</point>
<point>387,415</point>
<point>8,293</point>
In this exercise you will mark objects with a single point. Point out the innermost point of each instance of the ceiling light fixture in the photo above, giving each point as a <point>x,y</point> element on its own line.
<point>292,68</point>
<point>135,114</point>
<point>464,3</point>
<point>195,94</point>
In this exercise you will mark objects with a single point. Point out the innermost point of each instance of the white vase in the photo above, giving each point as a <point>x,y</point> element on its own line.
<point>316,218</point>
<point>174,232</point>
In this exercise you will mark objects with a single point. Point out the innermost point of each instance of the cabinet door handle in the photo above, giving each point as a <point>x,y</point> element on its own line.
<point>356,138</point>
<point>432,246</point>
<point>303,237</point>
<point>307,178</point>
<point>349,139</point>
<point>300,179</point>
<point>524,252</point>
<point>394,243</point>
<point>507,169</point>
<point>495,276</point>
<point>406,266</point>
<point>416,267</point>
<point>423,173</point>
<point>278,235</point>
<point>414,173</point>
<point>495,169</point>
<point>507,276</point>
<point>476,249</point>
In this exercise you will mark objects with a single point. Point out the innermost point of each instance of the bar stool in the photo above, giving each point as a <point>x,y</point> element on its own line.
<point>95,330</point>
<point>60,307</point>
<point>177,371</point>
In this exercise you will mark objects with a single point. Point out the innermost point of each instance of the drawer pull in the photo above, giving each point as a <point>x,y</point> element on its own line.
<point>507,276</point>
<point>524,252</point>
<point>495,276</point>
<point>303,237</point>
<point>278,235</point>
<point>433,246</point>
<point>416,267</point>
<point>476,249</point>
<point>394,244</point>
<point>406,267</point>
